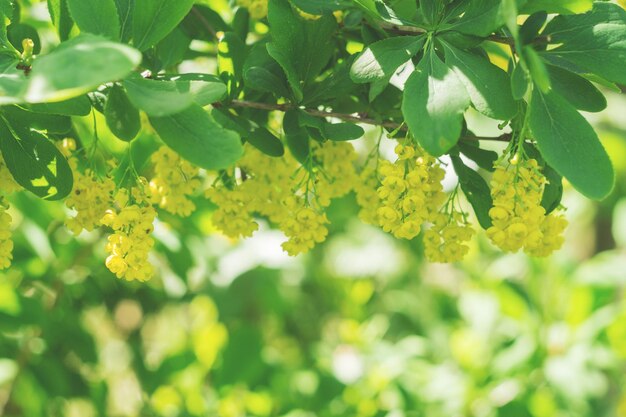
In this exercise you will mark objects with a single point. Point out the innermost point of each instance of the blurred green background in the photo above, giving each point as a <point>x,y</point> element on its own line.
<point>361,326</point>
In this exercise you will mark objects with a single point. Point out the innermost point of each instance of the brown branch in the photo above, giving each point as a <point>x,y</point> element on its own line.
<point>388,124</point>
<point>412,31</point>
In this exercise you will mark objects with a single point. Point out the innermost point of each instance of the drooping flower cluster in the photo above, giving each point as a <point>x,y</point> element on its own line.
<point>175,180</point>
<point>519,220</point>
<point>257,8</point>
<point>91,195</point>
<point>264,183</point>
<point>290,197</point>
<point>446,241</point>
<point>304,227</point>
<point>410,191</point>
<point>131,241</point>
<point>232,216</point>
<point>336,175</point>
<point>367,196</point>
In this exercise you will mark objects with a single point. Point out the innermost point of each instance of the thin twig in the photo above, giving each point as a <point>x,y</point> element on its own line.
<point>412,30</point>
<point>388,124</point>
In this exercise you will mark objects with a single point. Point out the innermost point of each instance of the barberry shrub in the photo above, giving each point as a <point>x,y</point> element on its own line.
<point>256,108</point>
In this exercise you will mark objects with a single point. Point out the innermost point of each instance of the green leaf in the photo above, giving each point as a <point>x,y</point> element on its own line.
<point>157,98</point>
<point>432,10</point>
<point>125,12</point>
<point>481,18</point>
<point>266,142</point>
<point>51,123</point>
<point>557,6</point>
<point>381,59</point>
<point>199,139</point>
<point>475,189</point>
<point>296,137</point>
<point>483,158</point>
<point>291,35</point>
<point>380,11</point>
<point>342,131</point>
<point>319,7</point>
<point>35,163</point>
<point>12,81</point>
<point>205,89</point>
<point>229,120</point>
<point>96,16</point>
<point>570,145</point>
<point>172,49</point>
<point>203,22</point>
<point>260,79</point>
<point>537,69</point>
<point>61,18</point>
<point>121,116</point>
<point>593,42</point>
<point>433,104</point>
<point>77,106</point>
<point>153,20</point>
<point>580,92</point>
<point>231,55</point>
<point>93,60</point>
<point>520,81</point>
<point>553,190</point>
<point>488,86</point>
<point>531,27</point>
<point>330,131</point>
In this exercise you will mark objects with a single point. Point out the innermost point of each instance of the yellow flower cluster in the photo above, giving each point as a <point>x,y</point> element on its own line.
<point>410,191</point>
<point>257,8</point>
<point>174,181</point>
<point>265,182</point>
<point>232,216</point>
<point>519,220</point>
<point>336,176</point>
<point>131,241</point>
<point>304,228</point>
<point>6,243</point>
<point>367,196</point>
<point>446,240</point>
<point>274,188</point>
<point>91,196</point>
<point>269,181</point>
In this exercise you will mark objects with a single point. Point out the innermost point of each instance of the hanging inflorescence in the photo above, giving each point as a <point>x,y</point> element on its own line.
<point>404,197</point>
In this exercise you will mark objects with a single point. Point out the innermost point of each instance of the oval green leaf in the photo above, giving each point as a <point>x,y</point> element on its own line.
<point>35,163</point>
<point>121,116</point>
<point>199,139</point>
<point>93,61</point>
<point>569,144</point>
